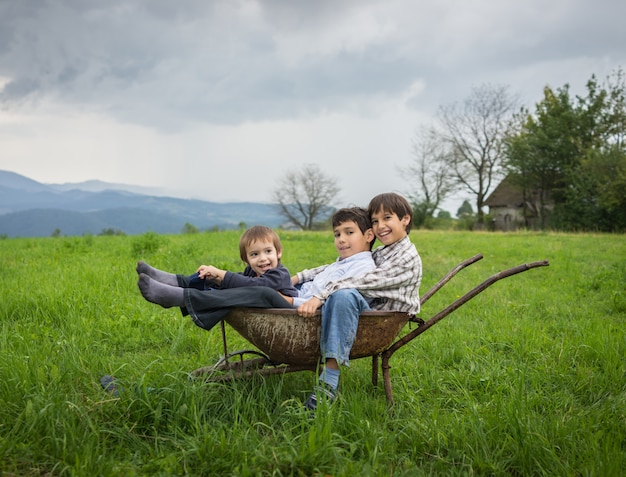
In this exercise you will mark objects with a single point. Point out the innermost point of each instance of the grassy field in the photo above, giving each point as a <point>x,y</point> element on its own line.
<point>528,378</point>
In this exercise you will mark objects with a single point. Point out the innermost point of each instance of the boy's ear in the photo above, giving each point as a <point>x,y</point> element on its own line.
<point>279,254</point>
<point>405,220</point>
<point>369,235</point>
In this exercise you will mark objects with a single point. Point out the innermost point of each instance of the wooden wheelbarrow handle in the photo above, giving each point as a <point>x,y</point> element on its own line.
<point>448,276</point>
<point>386,355</point>
<point>462,300</point>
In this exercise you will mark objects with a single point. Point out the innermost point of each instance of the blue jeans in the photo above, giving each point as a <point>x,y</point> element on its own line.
<point>340,320</point>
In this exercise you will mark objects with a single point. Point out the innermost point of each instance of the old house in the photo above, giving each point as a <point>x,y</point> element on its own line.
<point>511,207</point>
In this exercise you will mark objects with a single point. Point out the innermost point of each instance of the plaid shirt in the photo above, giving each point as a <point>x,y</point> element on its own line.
<point>394,283</point>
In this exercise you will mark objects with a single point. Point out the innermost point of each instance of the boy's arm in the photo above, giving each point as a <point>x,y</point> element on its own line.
<point>392,273</point>
<point>353,267</point>
<point>380,278</point>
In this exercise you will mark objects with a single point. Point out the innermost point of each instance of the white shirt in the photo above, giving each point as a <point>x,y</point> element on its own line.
<point>317,278</point>
<point>395,281</point>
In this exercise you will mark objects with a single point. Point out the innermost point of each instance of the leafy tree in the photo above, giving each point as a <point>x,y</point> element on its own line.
<point>545,148</point>
<point>189,229</point>
<point>595,198</point>
<point>305,196</point>
<point>422,212</point>
<point>571,153</point>
<point>111,231</point>
<point>596,183</point>
<point>465,210</point>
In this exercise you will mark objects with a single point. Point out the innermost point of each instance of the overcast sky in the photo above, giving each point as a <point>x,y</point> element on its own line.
<point>218,99</point>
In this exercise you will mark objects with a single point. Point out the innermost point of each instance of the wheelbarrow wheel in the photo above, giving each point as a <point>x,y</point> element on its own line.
<point>236,362</point>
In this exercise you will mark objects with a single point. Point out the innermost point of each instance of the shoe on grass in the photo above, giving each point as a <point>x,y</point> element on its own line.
<point>109,385</point>
<point>321,392</point>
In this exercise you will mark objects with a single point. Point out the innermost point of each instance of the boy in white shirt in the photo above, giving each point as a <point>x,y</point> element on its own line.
<point>392,285</point>
<point>354,238</point>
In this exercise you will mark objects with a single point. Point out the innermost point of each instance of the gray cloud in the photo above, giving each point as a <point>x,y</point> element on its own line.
<point>166,64</point>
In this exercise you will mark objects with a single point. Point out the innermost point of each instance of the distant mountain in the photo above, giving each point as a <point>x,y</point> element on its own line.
<point>16,181</point>
<point>31,209</point>
<point>100,186</point>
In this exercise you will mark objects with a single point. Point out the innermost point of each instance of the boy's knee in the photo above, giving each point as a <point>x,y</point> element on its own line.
<point>346,293</point>
<point>346,297</point>
<point>348,301</point>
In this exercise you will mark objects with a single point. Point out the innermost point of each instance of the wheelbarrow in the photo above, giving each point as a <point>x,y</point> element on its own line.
<point>288,343</point>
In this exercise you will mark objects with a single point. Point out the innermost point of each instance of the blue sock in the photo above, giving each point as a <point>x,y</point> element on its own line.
<point>330,377</point>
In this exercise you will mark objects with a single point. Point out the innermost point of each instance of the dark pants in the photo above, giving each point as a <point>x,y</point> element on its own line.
<point>207,308</point>
<point>194,281</point>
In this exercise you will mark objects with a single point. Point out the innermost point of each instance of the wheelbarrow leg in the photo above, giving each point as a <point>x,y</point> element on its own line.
<point>387,378</point>
<point>375,370</point>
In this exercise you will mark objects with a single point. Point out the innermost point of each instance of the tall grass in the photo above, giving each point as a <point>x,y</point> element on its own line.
<point>528,378</point>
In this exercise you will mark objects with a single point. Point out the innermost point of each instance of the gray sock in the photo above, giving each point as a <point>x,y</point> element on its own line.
<point>156,274</point>
<point>155,292</point>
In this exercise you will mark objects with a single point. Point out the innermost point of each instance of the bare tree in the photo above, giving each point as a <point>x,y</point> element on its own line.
<point>428,174</point>
<point>305,196</point>
<point>474,133</point>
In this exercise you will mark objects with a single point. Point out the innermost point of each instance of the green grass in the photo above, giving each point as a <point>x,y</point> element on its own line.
<point>528,378</point>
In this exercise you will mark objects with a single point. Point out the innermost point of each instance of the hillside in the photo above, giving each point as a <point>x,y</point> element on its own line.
<point>32,209</point>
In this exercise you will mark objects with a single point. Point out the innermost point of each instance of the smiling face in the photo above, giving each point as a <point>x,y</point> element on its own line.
<point>349,240</point>
<point>388,227</point>
<point>261,255</point>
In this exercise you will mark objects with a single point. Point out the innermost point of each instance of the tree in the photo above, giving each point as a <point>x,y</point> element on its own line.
<point>305,196</point>
<point>465,210</point>
<point>572,151</point>
<point>189,228</point>
<point>539,155</point>
<point>111,231</point>
<point>596,183</point>
<point>428,174</point>
<point>473,134</point>
<point>595,198</point>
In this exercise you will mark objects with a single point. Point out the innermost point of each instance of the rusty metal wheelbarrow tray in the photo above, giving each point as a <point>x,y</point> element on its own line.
<point>288,338</point>
<point>287,342</point>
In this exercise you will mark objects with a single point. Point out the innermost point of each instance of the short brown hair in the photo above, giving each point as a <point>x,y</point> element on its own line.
<point>394,203</point>
<point>254,234</point>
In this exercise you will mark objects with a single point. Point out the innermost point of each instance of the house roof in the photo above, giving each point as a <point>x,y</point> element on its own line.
<point>506,194</point>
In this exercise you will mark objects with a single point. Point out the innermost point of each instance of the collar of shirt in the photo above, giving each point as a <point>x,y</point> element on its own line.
<point>382,254</point>
<point>356,256</point>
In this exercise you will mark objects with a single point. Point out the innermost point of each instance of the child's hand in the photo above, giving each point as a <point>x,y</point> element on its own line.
<point>203,271</point>
<point>210,272</point>
<point>308,308</point>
